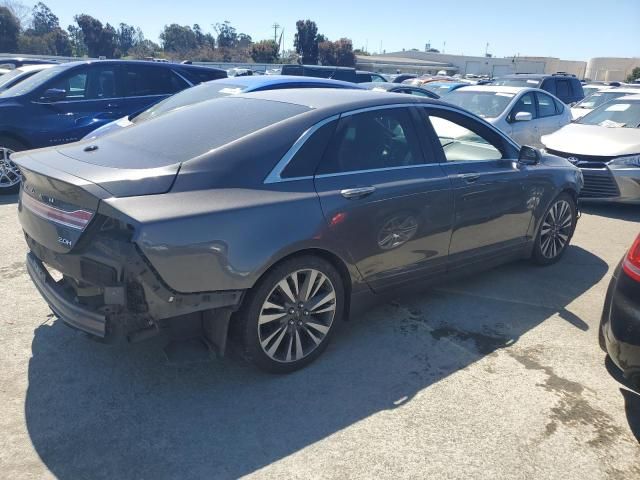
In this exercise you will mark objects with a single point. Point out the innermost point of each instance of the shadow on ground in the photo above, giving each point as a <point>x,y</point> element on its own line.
<point>94,411</point>
<point>629,213</point>
<point>8,199</point>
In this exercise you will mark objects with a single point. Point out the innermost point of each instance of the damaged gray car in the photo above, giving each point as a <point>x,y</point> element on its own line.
<point>268,217</point>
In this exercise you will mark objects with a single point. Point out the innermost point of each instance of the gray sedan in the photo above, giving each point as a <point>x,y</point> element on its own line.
<point>297,208</point>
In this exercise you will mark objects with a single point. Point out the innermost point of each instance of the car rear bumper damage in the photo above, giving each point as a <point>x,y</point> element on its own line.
<point>109,290</point>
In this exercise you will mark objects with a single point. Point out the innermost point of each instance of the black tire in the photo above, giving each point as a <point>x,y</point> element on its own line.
<point>250,330</point>
<point>541,254</point>
<point>16,146</point>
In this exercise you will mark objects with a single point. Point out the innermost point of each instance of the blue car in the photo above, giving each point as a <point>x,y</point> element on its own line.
<point>221,88</point>
<point>65,102</point>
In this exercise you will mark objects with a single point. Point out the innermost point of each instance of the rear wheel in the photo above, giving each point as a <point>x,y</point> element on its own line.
<point>556,230</point>
<point>288,319</point>
<point>9,173</point>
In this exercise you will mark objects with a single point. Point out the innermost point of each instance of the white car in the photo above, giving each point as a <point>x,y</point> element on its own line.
<point>605,145</point>
<point>525,114</point>
<point>15,76</point>
<point>598,98</point>
<point>590,88</point>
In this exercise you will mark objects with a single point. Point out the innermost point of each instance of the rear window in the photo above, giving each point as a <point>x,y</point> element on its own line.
<point>187,133</point>
<point>199,75</point>
<point>190,96</point>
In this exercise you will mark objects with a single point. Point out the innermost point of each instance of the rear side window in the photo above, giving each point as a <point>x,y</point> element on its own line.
<point>373,140</point>
<point>307,158</point>
<point>199,75</point>
<point>141,81</point>
<point>546,105</point>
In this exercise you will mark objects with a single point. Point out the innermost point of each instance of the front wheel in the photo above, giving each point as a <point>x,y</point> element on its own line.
<point>9,174</point>
<point>289,317</point>
<point>556,230</point>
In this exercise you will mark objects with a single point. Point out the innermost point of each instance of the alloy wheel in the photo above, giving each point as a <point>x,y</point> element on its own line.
<point>9,173</point>
<point>297,315</point>
<point>556,229</point>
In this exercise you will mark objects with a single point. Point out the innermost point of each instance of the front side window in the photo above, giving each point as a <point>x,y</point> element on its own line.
<point>373,140</point>
<point>546,105</point>
<point>88,84</point>
<point>141,81</point>
<point>463,139</point>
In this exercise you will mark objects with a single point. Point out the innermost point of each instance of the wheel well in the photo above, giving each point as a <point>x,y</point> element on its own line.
<point>573,194</point>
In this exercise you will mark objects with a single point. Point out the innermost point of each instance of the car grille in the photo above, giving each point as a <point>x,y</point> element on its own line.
<point>598,181</point>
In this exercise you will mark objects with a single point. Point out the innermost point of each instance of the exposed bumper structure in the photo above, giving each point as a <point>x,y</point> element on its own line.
<point>611,185</point>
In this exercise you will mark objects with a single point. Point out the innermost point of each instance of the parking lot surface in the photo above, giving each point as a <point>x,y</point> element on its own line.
<point>495,376</point>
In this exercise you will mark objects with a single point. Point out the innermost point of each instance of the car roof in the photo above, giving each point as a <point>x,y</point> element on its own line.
<point>266,80</point>
<point>37,67</point>
<point>635,97</point>
<point>622,90</point>
<point>495,89</point>
<point>337,100</point>
<point>136,62</point>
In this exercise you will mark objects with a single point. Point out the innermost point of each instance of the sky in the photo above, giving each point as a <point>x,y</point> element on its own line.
<point>568,29</point>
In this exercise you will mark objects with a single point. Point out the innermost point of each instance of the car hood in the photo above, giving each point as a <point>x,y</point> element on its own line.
<point>594,140</point>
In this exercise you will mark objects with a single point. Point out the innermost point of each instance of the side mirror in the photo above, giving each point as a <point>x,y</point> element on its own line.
<point>54,95</point>
<point>523,117</point>
<point>529,155</point>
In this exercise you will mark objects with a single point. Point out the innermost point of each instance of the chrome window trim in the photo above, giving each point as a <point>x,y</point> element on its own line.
<point>275,175</point>
<point>191,84</point>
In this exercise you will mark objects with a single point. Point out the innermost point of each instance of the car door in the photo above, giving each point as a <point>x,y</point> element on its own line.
<point>91,97</point>
<point>525,132</point>
<point>146,85</point>
<point>492,207</point>
<point>549,119</point>
<point>386,201</point>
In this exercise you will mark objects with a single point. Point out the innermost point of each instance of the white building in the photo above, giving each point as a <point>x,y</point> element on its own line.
<point>610,69</point>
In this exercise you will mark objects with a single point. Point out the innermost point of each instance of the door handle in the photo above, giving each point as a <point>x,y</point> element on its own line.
<point>359,192</point>
<point>469,177</point>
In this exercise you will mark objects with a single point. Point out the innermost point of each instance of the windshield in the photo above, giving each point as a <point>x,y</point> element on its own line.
<point>598,98</point>
<point>589,90</point>
<point>7,78</point>
<point>205,91</point>
<point>617,114</point>
<point>517,82</point>
<point>33,82</point>
<point>483,104</point>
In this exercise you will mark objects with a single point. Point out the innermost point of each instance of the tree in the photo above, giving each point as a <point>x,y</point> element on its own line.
<point>265,51</point>
<point>76,39</point>
<point>43,20</point>
<point>178,38</point>
<point>227,35</point>
<point>634,75</point>
<point>144,49</point>
<point>100,40</point>
<point>21,11</point>
<point>306,41</point>
<point>126,37</point>
<point>9,30</point>
<point>338,53</point>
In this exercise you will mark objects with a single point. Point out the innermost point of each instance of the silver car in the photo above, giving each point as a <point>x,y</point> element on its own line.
<point>605,145</point>
<point>525,114</point>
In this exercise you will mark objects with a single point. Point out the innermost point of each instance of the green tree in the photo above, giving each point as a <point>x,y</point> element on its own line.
<point>144,49</point>
<point>43,20</point>
<point>9,30</point>
<point>91,33</point>
<point>126,37</point>
<point>306,41</point>
<point>227,35</point>
<point>265,51</point>
<point>178,38</point>
<point>339,53</point>
<point>633,76</point>
<point>76,39</point>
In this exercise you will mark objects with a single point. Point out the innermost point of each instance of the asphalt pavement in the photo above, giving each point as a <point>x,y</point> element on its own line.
<point>495,376</point>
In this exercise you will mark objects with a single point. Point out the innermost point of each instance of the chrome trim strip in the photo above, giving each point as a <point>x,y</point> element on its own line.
<point>373,170</point>
<point>274,175</point>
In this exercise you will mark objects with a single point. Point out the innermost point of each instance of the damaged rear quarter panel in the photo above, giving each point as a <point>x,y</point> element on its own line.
<point>224,239</point>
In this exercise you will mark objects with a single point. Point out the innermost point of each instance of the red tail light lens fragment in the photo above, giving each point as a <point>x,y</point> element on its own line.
<point>631,263</point>
<point>77,219</point>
